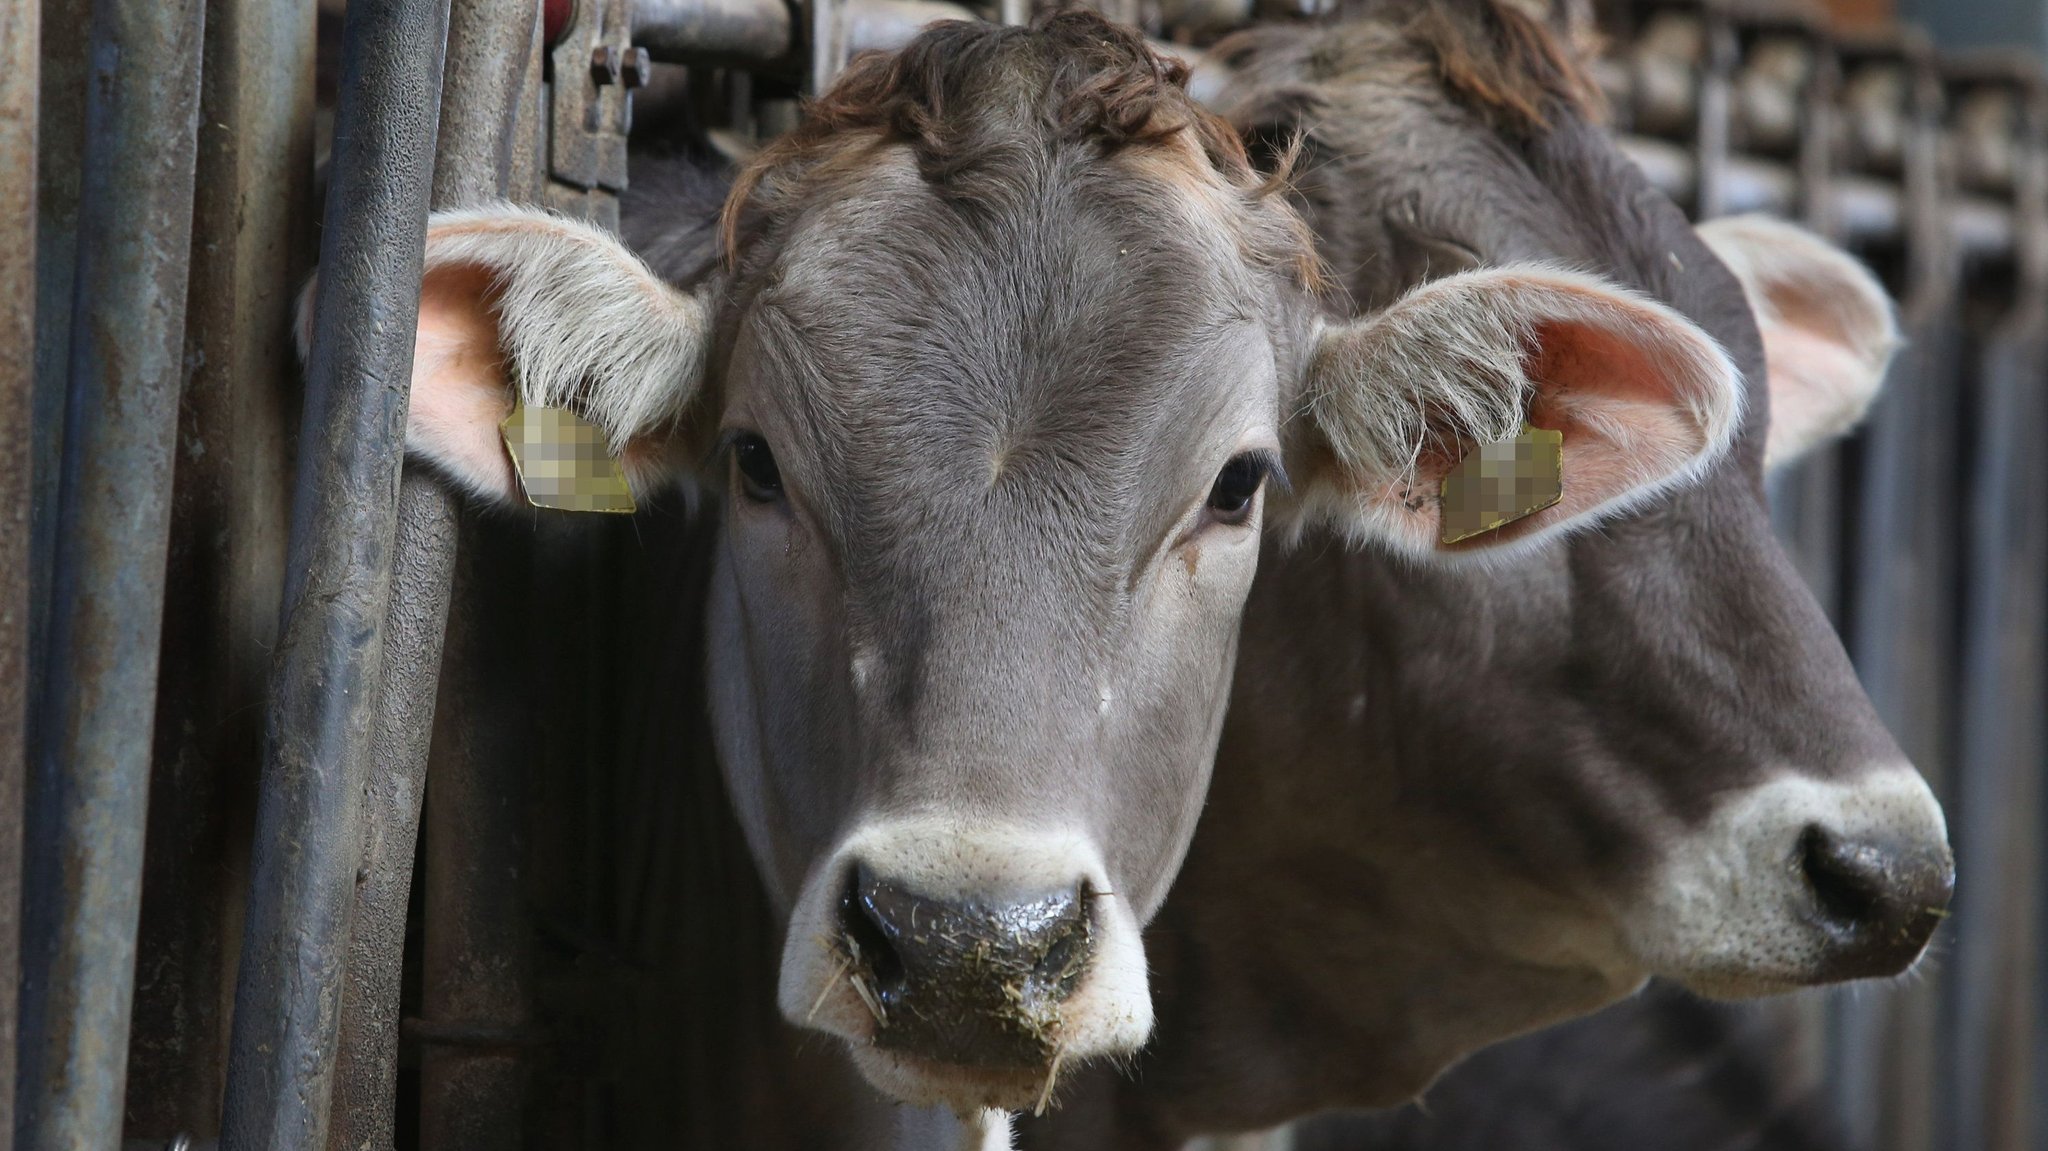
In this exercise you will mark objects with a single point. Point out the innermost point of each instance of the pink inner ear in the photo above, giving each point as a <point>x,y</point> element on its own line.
<point>1817,388</point>
<point>459,391</point>
<point>1624,421</point>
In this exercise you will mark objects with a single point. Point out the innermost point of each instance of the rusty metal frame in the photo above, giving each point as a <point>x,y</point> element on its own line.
<point>325,689</point>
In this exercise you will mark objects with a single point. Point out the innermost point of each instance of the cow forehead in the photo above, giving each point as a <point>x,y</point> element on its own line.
<point>1083,331</point>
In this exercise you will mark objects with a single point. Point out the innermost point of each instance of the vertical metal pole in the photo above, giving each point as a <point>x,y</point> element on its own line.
<point>325,688</point>
<point>1901,626</point>
<point>2004,667</point>
<point>492,75</point>
<point>60,153</point>
<point>229,516</point>
<point>97,708</point>
<point>20,43</point>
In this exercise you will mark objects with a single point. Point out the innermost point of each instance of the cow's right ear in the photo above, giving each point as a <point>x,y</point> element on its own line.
<point>519,303</point>
<point>1640,398</point>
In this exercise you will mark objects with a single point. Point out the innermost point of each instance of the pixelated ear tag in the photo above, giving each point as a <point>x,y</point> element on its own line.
<point>1499,483</point>
<point>564,462</point>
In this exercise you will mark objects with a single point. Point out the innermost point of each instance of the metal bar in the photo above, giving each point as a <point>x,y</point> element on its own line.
<point>60,153</point>
<point>2004,660</point>
<point>126,352</point>
<point>1901,628</point>
<point>366,1070</point>
<point>229,513</point>
<point>20,44</point>
<point>493,46</point>
<point>476,958</point>
<point>682,31</point>
<point>325,688</point>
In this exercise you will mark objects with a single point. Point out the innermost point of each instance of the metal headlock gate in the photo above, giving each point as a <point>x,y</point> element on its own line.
<point>325,841</point>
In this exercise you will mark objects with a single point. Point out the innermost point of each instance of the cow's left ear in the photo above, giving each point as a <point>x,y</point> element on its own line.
<point>1827,325</point>
<point>1642,398</point>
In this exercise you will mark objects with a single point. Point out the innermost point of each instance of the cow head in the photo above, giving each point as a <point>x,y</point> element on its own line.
<point>1633,751</point>
<point>1013,343</point>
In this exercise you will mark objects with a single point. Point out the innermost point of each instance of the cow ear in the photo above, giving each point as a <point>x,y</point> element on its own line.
<point>522,304</point>
<point>1828,328</point>
<point>1642,397</point>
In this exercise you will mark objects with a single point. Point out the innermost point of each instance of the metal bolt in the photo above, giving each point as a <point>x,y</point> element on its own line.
<point>636,68</point>
<point>604,65</point>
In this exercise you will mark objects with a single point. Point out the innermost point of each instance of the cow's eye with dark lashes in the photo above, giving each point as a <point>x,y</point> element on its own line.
<point>1237,485</point>
<point>759,477</point>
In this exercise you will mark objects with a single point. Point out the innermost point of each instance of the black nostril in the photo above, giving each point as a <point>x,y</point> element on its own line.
<point>1848,879</point>
<point>975,980</point>
<point>1878,901</point>
<point>869,939</point>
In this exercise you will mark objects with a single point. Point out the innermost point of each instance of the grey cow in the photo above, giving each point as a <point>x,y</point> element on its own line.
<point>1453,804</point>
<point>1013,347</point>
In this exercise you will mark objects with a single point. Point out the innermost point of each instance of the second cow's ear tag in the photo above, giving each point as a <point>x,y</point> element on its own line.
<point>1501,482</point>
<point>564,462</point>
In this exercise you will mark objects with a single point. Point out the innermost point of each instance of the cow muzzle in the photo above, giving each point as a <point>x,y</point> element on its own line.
<point>966,968</point>
<point>1799,882</point>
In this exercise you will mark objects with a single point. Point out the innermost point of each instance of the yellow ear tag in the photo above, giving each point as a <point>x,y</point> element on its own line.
<point>563,461</point>
<point>1499,483</point>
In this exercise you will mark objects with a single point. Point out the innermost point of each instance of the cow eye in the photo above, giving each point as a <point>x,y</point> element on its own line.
<point>1230,497</point>
<point>759,477</point>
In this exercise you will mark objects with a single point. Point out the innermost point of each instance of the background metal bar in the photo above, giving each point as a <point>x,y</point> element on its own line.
<point>229,516</point>
<point>474,956</point>
<point>740,30</point>
<point>492,74</point>
<point>366,1069</point>
<point>325,688</point>
<point>1901,618</point>
<point>91,781</point>
<point>20,43</point>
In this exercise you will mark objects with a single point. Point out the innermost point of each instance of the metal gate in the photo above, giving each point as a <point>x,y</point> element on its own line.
<point>298,868</point>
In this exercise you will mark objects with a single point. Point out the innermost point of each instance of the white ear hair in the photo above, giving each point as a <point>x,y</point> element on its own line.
<point>586,324</point>
<point>1445,364</point>
<point>1644,398</point>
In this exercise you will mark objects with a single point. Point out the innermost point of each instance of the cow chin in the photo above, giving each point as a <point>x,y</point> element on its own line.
<point>1799,882</point>
<point>966,967</point>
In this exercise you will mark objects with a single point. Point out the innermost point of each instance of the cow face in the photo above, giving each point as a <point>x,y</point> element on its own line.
<point>1634,751</point>
<point>1013,348</point>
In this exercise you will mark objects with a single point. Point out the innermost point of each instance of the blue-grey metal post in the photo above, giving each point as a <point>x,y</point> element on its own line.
<point>325,686</point>
<point>88,790</point>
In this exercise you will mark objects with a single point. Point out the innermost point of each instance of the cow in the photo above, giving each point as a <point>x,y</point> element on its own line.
<point>1454,803</point>
<point>1665,1069</point>
<point>1011,348</point>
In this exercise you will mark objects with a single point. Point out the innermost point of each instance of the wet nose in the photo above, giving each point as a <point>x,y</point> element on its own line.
<point>978,982</point>
<point>1879,901</point>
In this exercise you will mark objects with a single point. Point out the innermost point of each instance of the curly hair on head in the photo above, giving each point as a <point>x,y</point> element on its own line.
<point>954,94</point>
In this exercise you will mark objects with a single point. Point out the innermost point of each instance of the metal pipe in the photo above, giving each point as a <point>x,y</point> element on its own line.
<point>681,31</point>
<point>20,45</point>
<point>842,29</point>
<point>230,508</point>
<point>890,24</point>
<point>366,1069</point>
<point>493,47</point>
<point>325,686</point>
<point>106,613</point>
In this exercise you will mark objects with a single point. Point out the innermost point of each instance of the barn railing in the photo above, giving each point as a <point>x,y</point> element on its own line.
<point>1926,539</point>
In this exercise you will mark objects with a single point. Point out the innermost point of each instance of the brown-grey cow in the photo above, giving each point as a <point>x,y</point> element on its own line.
<point>1455,803</point>
<point>1012,341</point>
